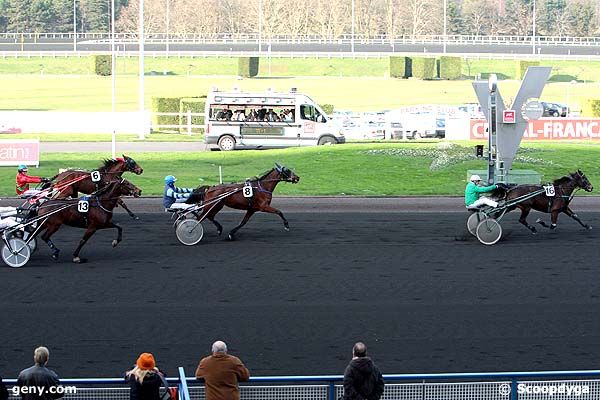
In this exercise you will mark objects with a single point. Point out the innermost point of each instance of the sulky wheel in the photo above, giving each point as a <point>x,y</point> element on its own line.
<point>18,254</point>
<point>474,220</point>
<point>189,231</point>
<point>489,231</point>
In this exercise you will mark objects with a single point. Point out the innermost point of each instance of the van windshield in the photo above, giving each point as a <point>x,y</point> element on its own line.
<point>310,113</point>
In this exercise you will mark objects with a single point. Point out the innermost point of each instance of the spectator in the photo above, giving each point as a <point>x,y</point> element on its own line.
<point>39,376</point>
<point>221,373</point>
<point>3,391</point>
<point>144,379</point>
<point>362,379</point>
<point>272,116</point>
<point>239,115</point>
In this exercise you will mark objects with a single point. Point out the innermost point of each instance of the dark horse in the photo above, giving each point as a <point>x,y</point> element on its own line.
<point>109,170</point>
<point>262,193</point>
<point>98,216</point>
<point>564,188</point>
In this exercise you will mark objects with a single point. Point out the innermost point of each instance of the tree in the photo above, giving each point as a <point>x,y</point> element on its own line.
<point>63,11</point>
<point>43,16</point>
<point>18,15</point>
<point>581,17</point>
<point>455,18</point>
<point>95,15</point>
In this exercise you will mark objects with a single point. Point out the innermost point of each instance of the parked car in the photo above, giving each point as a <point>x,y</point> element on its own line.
<point>551,110</point>
<point>563,108</point>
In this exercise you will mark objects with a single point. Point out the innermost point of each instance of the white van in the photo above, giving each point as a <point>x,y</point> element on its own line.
<point>238,120</point>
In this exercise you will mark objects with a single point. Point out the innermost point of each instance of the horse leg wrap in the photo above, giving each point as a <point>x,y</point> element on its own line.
<point>55,250</point>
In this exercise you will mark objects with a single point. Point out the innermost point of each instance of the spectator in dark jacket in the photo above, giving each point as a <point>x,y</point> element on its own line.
<point>3,391</point>
<point>362,379</point>
<point>38,376</point>
<point>221,373</point>
<point>144,379</point>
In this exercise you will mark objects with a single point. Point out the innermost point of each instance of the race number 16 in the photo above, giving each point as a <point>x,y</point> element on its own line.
<point>95,176</point>
<point>247,191</point>
<point>550,190</point>
<point>83,206</point>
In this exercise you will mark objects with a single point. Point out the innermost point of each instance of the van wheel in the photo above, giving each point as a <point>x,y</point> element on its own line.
<point>227,143</point>
<point>326,140</point>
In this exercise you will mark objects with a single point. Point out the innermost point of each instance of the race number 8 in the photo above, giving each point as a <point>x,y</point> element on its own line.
<point>247,191</point>
<point>95,175</point>
<point>83,206</point>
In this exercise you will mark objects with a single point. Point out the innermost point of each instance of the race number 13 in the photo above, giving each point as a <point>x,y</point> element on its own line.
<point>83,206</point>
<point>247,191</point>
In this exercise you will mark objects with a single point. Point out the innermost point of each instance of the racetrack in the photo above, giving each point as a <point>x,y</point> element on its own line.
<point>422,294</point>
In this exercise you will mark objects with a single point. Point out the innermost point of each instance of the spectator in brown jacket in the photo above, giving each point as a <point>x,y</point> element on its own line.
<point>221,373</point>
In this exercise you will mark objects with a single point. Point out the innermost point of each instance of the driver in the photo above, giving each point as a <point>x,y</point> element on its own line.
<point>473,192</point>
<point>173,196</point>
<point>23,180</point>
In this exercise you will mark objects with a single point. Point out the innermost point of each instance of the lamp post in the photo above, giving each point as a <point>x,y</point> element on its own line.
<point>259,26</point>
<point>573,82</point>
<point>533,30</point>
<point>445,24</point>
<point>74,26</point>
<point>113,74</point>
<point>352,30</point>
<point>142,126</point>
<point>167,23</point>
<point>492,86</point>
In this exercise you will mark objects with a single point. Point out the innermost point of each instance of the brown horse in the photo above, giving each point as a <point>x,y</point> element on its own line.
<point>82,180</point>
<point>233,197</point>
<point>98,215</point>
<point>564,188</point>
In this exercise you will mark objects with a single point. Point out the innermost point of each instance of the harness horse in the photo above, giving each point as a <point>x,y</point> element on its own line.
<point>253,195</point>
<point>90,181</point>
<point>554,199</point>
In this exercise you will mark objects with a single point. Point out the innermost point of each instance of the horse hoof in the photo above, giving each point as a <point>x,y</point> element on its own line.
<point>230,237</point>
<point>539,221</point>
<point>78,260</point>
<point>286,228</point>
<point>55,256</point>
<point>136,218</point>
<point>588,227</point>
<point>115,243</point>
<point>219,232</point>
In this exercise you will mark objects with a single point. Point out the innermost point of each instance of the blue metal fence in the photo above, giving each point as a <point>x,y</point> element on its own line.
<point>543,385</point>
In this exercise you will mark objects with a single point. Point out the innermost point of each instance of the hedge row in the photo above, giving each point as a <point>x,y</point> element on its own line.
<point>248,66</point>
<point>102,64</point>
<point>426,67</point>
<point>590,108</point>
<point>178,106</point>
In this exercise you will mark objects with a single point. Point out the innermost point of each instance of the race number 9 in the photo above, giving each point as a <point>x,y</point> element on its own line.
<point>247,191</point>
<point>83,206</point>
<point>95,175</point>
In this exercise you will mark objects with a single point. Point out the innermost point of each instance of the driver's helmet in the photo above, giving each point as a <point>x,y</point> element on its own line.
<point>22,168</point>
<point>475,178</point>
<point>170,179</point>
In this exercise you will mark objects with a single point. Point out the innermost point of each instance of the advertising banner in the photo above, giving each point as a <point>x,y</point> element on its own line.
<point>555,129</point>
<point>15,152</point>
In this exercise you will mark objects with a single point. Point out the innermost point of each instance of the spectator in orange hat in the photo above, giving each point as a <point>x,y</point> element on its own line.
<point>144,379</point>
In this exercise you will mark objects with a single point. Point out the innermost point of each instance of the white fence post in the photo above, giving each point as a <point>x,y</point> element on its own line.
<point>189,122</point>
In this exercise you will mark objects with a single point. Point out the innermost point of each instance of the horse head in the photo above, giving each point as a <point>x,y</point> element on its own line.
<point>286,174</point>
<point>582,181</point>
<point>131,165</point>
<point>122,187</point>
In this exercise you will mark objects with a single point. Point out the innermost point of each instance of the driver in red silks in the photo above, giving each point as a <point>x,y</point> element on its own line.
<point>23,180</point>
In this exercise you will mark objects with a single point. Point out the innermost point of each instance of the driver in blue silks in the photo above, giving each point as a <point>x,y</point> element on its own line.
<point>173,196</point>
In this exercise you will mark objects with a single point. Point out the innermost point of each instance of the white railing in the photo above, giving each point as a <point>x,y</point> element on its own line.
<point>186,124</point>
<point>160,37</point>
<point>300,54</point>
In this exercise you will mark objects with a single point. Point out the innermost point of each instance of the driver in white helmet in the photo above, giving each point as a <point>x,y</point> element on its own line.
<point>473,193</point>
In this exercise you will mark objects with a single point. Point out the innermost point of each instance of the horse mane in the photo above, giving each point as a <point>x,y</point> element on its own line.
<point>564,179</point>
<point>264,175</point>
<point>109,162</point>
